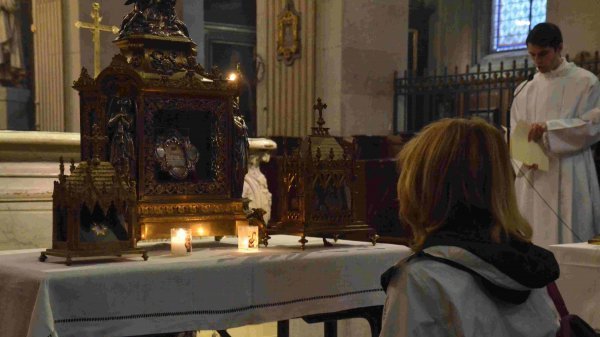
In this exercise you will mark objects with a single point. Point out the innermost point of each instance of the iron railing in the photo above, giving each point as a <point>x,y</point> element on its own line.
<point>487,93</point>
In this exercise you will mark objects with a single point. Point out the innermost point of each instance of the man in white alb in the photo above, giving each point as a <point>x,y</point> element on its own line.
<point>562,105</point>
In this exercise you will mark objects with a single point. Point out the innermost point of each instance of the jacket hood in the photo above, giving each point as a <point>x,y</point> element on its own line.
<point>510,265</point>
<point>508,270</point>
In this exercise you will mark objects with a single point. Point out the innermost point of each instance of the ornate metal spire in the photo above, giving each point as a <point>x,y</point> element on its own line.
<point>320,130</point>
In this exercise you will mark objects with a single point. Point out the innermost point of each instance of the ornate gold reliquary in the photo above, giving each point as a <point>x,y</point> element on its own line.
<point>171,126</point>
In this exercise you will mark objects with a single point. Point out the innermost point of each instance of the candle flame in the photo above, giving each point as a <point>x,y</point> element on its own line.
<point>181,234</point>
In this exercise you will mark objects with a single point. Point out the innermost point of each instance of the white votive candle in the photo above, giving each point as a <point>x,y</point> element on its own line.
<point>248,238</point>
<point>181,241</point>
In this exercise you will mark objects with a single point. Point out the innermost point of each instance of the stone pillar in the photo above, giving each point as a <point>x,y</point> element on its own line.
<point>255,182</point>
<point>360,43</point>
<point>49,64</point>
<point>286,94</point>
<point>72,60</point>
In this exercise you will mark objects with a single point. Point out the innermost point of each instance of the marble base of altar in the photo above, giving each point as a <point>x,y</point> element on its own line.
<point>28,169</point>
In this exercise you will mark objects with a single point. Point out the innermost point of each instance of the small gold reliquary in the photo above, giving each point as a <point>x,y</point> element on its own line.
<point>94,212</point>
<point>320,190</point>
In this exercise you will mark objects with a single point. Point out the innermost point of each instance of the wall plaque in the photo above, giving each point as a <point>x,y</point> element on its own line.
<point>288,34</point>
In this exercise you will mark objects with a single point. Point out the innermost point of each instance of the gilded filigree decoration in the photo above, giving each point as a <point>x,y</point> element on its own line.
<point>119,63</point>
<point>192,83</point>
<point>155,17</point>
<point>218,161</point>
<point>288,34</point>
<point>165,62</point>
<point>92,112</point>
<point>190,208</point>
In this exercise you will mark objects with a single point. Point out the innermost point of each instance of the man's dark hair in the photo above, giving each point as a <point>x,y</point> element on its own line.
<point>544,35</point>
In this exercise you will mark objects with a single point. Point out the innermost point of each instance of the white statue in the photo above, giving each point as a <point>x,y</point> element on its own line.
<point>11,50</point>
<point>255,182</point>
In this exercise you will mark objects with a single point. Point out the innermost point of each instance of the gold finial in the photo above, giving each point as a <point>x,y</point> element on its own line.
<point>61,175</point>
<point>62,165</point>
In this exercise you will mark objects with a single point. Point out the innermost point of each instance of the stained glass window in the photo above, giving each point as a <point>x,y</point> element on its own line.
<point>512,20</point>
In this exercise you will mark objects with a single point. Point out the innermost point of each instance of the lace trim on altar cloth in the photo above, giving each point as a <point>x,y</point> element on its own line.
<point>210,312</point>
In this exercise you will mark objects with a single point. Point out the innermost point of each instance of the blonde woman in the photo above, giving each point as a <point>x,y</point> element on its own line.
<point>474,271</point>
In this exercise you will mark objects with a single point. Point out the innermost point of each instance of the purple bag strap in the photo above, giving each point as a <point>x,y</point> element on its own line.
<point>556,297</point>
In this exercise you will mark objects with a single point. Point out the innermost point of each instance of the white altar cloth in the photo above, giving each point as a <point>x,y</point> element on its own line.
<point>579,280</point>
<point>216,287</point>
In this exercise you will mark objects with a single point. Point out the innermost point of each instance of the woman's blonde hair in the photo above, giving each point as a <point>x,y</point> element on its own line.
<point>452,162</point>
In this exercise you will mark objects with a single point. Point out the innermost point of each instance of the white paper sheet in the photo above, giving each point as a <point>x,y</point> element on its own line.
<point>524,151</point>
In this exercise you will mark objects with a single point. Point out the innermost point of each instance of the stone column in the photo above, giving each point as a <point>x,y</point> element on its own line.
<point>49,65</point>
<point>360,43</point>
<point>286,94</point>
<point>255,182</point>
<point>72,60</point>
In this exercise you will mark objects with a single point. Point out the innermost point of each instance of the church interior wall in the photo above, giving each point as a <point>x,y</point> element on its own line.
<point>459,32</point>
<point>451,34</point>
<point>193,16</point>
<point>349,51</point>
<point>578,21</point>
<point>374,37</point>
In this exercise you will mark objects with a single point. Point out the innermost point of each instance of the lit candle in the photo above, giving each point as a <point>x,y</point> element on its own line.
<point>181,241</point>
<point>248,238</point>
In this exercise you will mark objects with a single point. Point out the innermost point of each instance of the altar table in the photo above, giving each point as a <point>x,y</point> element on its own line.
<point>215,288</point>
<point>579,280</point>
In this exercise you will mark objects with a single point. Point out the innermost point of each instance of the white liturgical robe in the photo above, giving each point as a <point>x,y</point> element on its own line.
<point>567,100</point>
